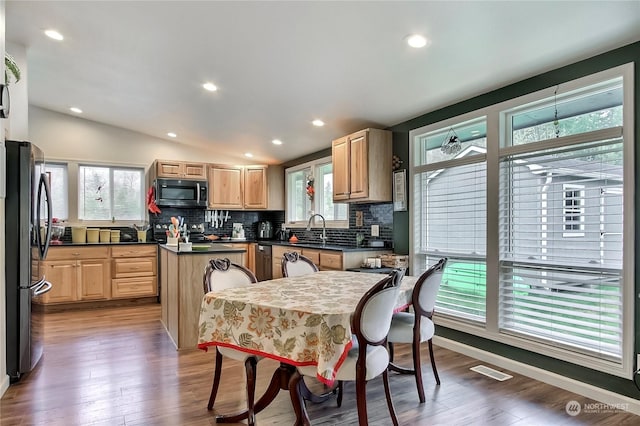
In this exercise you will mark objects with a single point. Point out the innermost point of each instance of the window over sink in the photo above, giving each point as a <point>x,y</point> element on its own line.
<point>309,190</point>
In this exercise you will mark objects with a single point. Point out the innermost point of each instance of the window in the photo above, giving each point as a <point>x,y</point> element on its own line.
<point>533,219</point>
<point>108,193</point>
<point>309,189</point>
<point>573,214</point>
<point>58,181</point>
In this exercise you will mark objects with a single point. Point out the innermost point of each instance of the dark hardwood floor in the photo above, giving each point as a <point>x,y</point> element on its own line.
<point>116,366</point>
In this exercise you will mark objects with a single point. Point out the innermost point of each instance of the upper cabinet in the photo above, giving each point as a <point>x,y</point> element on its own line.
<point>237,187</point>
<point>180,170</point>
<point>362,165</point>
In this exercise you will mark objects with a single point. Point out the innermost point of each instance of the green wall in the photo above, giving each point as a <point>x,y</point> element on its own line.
<point>623,55</point>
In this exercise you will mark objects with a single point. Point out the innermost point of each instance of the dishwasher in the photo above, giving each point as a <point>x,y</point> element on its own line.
<point>263,262</point>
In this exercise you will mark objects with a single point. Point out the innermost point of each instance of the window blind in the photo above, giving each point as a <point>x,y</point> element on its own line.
<point>557,285</point>
<point>453,225</point>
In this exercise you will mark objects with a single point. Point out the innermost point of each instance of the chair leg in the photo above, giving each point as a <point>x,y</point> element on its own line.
<point>250,368</point>
<point>361,401</point>
<point>433,362</point>
<point>340,393</point>
<point>302,419</point>
<point>387,392</point>
<point>417,369</point>
<point>390,346</point>
<point>216,380</point>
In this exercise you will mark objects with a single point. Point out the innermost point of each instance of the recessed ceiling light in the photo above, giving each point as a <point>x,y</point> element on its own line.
<point>210,87</point>
<point>54,35</point>
<point>171,135</point>
<point>276,142</point>
<point>248,154</point>
<point>76,110</point>
<point>318,123</point>
<point>417,41</point>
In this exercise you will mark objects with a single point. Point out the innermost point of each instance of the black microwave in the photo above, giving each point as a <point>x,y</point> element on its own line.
<point>181,193</point>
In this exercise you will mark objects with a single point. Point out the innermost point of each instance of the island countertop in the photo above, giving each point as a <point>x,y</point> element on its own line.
<point>203,248</point>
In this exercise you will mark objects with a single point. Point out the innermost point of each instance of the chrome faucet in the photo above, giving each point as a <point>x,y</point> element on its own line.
<point>324,227</point>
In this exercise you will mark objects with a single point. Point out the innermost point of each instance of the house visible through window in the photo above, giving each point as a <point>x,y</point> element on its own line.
<point>560,164</point>
<point>107,193</point>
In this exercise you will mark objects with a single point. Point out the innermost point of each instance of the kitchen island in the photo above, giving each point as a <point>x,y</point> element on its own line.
<point>181,289</point>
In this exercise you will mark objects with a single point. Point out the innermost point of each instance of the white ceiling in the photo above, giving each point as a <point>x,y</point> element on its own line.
<point>140,65</point>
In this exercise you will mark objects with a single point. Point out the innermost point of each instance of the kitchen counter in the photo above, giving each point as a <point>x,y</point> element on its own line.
<point>121,243</point>
<point>320,246</point>
<point>203,248</point>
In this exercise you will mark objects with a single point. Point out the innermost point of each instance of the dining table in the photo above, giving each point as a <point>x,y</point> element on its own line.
<point>298,321</point>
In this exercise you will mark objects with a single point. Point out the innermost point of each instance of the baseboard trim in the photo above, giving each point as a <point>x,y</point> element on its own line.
<point>4,385</point>
<point>562,382</point>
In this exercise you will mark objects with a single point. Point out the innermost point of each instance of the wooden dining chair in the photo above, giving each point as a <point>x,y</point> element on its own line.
<point>418,327</point>
<point>222,274</point>
<point>295,264</point>
<point>368,357</point>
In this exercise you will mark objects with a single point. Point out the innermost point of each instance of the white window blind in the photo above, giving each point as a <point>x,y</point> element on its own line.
<point>452,224</point>
<point>567,291</point>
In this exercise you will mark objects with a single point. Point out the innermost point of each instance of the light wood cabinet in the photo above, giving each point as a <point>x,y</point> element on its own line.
<point>325,260</point>
<point>101,272</point>
<point>182,292</point>
<point>225,187</point>
<point>180,169</point>
<point>255,187</point>
<point>362,165</point>
<point>238,187</point>
<point>77,274</point>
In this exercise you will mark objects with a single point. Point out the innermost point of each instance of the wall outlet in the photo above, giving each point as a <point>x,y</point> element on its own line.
<point>375,230</point>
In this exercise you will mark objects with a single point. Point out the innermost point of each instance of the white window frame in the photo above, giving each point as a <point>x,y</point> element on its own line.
<point>313,166</point>
<point>498,130</point>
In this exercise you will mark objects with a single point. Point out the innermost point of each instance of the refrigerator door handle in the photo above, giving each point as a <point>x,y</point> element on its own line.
<point>44,287</point>
<point>43,246</point>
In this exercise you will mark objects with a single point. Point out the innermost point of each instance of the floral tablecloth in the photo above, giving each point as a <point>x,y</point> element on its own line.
<point>304,320</point>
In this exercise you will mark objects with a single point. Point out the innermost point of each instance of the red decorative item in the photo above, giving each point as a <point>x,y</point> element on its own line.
<point>151,201</point>
<point>310,190</point>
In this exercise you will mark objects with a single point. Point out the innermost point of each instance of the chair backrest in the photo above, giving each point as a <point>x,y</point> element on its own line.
<point>295,264</point>
<point>426,289</point>
<point>222,273</point>
<point>372,318</point>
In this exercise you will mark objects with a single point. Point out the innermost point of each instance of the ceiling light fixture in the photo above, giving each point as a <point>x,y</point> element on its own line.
<point>318,123</point>
<point>76,110</point>
<point>248,154</point>
<point>54,35</point>
<point>417,41</point>
<point>276,142</point>
<point>210,87</point>
<point>172,135</point>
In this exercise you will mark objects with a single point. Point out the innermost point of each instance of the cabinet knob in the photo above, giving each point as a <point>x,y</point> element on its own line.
<point>76,254</point>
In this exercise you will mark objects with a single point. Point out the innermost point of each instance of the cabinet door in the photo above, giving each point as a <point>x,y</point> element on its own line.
<point>225,187</point>
<point>358,165</point>
<point>255,187</point>
<point>195,171</point>
<point>62,276</point>
<point>340,161</point>
<point>169,169</point>
<point>93,278</point>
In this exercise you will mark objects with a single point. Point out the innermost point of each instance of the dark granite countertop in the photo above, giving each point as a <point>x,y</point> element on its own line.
<point>121,243</point>
<point>202,248</point>
<point>321,247</point>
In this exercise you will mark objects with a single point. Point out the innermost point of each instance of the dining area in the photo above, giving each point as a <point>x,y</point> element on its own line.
<point>325,329</point>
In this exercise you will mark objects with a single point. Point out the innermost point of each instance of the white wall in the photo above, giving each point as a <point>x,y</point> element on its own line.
<point>4,379</point>
<point>66,137</point>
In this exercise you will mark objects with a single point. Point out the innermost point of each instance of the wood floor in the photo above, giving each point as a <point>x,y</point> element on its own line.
<point>116,366</point>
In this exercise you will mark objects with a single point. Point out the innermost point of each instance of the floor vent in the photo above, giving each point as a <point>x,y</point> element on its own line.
<point>490,372</point>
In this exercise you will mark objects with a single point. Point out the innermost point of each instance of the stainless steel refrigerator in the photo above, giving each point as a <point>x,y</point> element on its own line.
<point>27,237</point>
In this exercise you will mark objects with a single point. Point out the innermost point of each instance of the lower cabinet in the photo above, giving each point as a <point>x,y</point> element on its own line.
<point>77,274</point>
<point>103,272</point>
<point>325,260</point>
